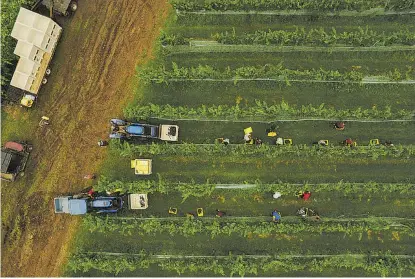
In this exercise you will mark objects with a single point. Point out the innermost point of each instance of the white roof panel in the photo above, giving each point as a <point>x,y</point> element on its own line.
<point>21,80</point>
<point>26,66</point>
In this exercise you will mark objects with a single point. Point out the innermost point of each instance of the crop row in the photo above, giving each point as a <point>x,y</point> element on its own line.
<point>162,75</point>
<point>261,111</point>
<point>263,150</point>
<point>190,227</point>
<point>313,5</point>
<point>362,37</point>
<point>383,264</point>
<point>318,37</point>
<point>206,189</point>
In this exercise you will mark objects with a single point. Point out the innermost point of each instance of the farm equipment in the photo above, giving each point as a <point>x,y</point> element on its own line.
<point>121,129</point>
<point>82,204</point>
<point>61,7</point>
<point>142,166</point>
<point>14,156</point>
<point>37,37</point>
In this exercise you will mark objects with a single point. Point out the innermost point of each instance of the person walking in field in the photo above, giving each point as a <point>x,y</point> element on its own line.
<point>220,213</point>
<point>276,216</point>
<point>339,126</point>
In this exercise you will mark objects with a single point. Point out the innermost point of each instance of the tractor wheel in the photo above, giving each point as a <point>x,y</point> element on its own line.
<point>44,81</point>
<point>48,71</point>
<point>73,6</point>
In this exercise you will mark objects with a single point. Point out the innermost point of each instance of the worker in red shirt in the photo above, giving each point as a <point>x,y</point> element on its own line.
<point>306,195</point>
<point>220,213</point>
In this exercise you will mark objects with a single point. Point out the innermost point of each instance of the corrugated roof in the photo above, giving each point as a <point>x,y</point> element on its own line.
<point>5,161</point>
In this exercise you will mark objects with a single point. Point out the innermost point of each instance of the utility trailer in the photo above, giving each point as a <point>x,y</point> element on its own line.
<point>37,37</point>
<point>14,156</point>
<point>83,204</point>
<point>121,129</point>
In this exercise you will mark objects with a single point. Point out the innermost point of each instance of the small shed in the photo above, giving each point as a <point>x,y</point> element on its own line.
<point>29,51</point>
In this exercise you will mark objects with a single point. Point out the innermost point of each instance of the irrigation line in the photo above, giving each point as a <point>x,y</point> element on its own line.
<point>283,120</point>
<point>205,46</point>
<point>245,256</point>
<point>370,12</point>
<point>261,218</point>
<point>290,80</point>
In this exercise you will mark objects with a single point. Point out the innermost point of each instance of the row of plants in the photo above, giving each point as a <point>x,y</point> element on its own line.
<point>189,227</point>
<point>263,150</point>
<point>261,111</point>
<point>9,11</point>
<point>278,72</point>
<point>313,5</point>
<point>362,37</point>
<point>382,263</point>
<point>193,189</point>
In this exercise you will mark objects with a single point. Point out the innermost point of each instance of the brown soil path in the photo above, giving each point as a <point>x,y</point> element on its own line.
<point>92,79</point>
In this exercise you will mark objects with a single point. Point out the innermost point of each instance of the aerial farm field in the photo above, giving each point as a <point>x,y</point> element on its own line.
<point>292,67</point>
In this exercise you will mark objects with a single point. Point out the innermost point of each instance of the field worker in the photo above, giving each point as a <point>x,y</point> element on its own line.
<point>102,143</point>
<point>276,195</point>
<point>339,126</point>
<point>258,141</point>
<point>276,217</point>
<point>91,193</point>
<point>306,195</point>
<point>348,142</point>
<point>388,143</point>
<point>248,138</point>
<point>90,176</point>
<point>322,142</point>
<point>220,213</point>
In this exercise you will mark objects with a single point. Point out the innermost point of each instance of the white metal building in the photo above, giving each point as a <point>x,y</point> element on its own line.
<point>37,37</point>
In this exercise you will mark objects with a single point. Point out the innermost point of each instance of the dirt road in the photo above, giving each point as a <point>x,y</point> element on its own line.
<point>92,79</point>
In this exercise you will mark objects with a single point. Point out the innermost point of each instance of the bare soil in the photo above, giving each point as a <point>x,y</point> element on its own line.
<point>92,79</point>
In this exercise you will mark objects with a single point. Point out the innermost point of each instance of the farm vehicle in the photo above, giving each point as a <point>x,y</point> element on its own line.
<point>84,203</point>
<point>14,156</point>
<point>121,129</point>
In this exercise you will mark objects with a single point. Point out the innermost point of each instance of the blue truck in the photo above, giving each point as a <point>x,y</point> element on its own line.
<point>84,204</point>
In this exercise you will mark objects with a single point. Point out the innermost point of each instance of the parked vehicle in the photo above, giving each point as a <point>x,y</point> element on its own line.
<point>14,156</point>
